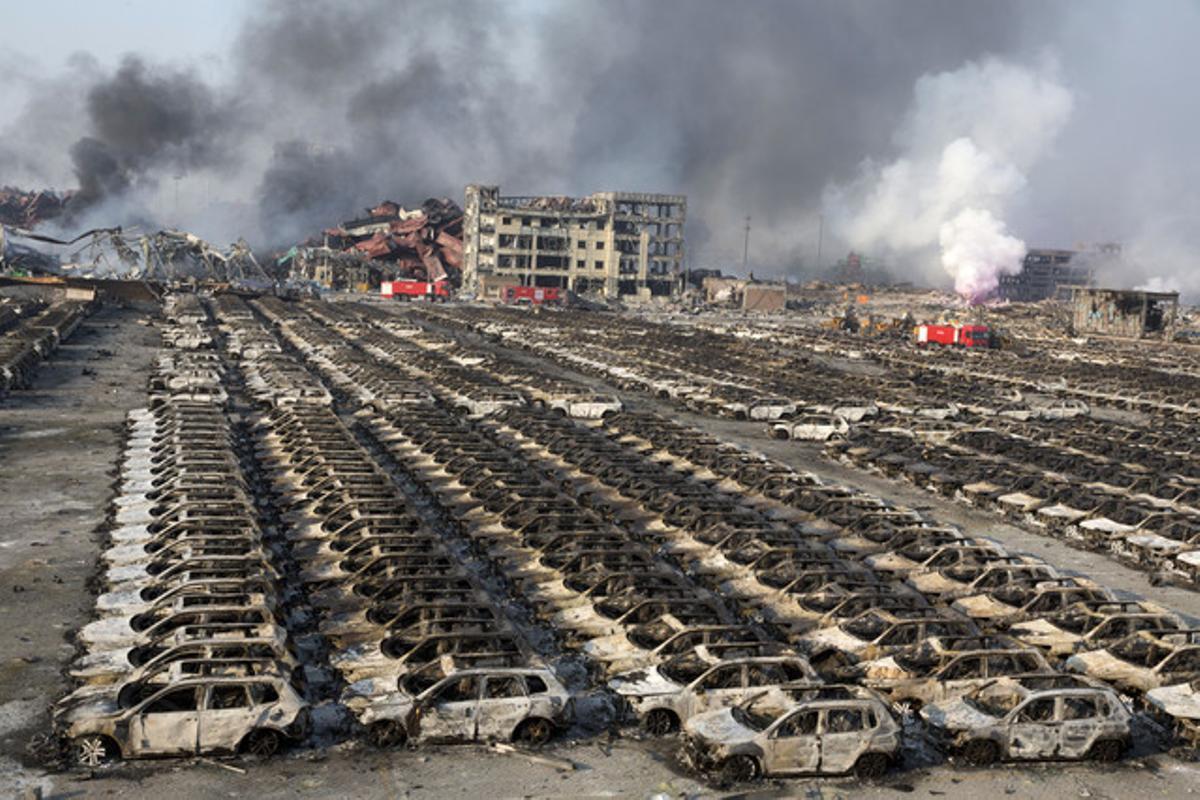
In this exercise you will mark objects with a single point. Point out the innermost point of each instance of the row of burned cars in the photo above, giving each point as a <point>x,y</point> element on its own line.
<point>1032,589</point>
<point>190,651</point>
<point>1038,437</point>
<point>29,333</point>
<point>326,507</point>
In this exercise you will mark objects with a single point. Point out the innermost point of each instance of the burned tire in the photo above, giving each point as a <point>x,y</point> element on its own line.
<point>661,722</point>
<point>262,742</point>
<point>533,732</point>
<point>739,769</point>
<point>780,433</point>
<point>387,733</point>
<point>981,752</point>
<point>1107,750</point>
<point>93,751</point>
<point>871,766</point>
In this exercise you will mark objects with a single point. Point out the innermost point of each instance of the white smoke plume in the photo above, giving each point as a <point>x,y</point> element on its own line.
<point>966,145</point>
<point>976,250</point>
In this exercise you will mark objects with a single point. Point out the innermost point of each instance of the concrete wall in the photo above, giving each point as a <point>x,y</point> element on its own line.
<point>1135,315</point>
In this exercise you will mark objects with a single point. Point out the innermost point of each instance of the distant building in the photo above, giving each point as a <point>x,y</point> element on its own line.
<point>1047,274</point>
<point>616,244</point>
<point>746,294</point>
<point>1130,314</point>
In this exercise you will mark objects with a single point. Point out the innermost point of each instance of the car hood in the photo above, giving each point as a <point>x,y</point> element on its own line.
<point>835,637</point>
<point>1180,700</point>
<point>392,705</point>
<point>1042,629</point>
<point>609,647</point>
<point>718,727</point>
<point>956,715</point>
<point>643,682</point>
<point>81,705</point>
<point>883,669</point>
<point>981,605</point>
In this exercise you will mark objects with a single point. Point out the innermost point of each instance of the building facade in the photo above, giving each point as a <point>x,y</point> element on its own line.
<point>625,245</point>
<point>1124,313</point>
<point>1046,274</point>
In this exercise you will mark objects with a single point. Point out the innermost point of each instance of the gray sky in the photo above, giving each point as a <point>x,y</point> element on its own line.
<point>40,37</point>
<point>281,117</point>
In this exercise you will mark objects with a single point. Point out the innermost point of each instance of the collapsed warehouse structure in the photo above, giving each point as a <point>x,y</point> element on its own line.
<point>389,243</point>
<point>626,245</point>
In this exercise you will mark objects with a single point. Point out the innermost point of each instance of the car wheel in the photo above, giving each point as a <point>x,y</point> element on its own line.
<point>533,732</point>
<point>387,733</point>
<point>93,751</point>
<point>739,769</point>
<point>661,722</point>
<point>981,752</point>
<point>1107,750</point>
<point>263,743</point>
<point>871,765</point>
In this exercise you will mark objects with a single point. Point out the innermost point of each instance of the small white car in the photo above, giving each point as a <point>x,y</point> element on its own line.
<point>1032,718</point>
<point>596,406</point>
<point>195,716</point>
<point>823,731</point>
<point>811,428</point>
<point>525,705</point>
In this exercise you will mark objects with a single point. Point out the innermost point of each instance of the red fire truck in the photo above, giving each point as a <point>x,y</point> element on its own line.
<point>411,290</point>
<point>954,335</point>
<point>533,295</point>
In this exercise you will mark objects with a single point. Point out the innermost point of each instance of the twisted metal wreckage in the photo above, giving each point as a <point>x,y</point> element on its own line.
<point>166,255</point>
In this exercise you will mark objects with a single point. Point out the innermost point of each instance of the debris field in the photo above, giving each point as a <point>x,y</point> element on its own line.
<point>402,525</point>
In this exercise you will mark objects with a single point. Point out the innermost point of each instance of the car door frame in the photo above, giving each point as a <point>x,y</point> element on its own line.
<point>468,710</point>
<point>776,757</point>
<point>698,699</point>
<point>249,713</point>
<point>1043,735</point>
<point>137,725</point>
<point>860,737</point>
<point>523,703</point>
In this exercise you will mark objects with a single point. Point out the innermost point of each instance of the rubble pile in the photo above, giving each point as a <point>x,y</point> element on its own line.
<point>22,209</point>
<point>421,244</point>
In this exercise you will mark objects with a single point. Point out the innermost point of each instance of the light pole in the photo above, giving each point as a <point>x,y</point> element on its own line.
<point>820,238</point>
<point>746,247</point>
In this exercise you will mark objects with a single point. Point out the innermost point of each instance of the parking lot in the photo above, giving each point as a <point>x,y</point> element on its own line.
<point>313,539</point>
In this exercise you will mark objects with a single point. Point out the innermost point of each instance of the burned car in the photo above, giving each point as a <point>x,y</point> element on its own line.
<point>526,705</point>
<point>1091,626</point>
<point>1177,707</point>
<point>918,678</point>
<point>257,715</point>
<point>668,694</point>
<point>1032,718</point>
<point>829,730</point>
<point>1144,660</point>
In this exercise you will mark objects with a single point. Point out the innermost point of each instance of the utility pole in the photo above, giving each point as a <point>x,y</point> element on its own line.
<point>178,221</point>
<point>746,246</point>
<point>820,238</point>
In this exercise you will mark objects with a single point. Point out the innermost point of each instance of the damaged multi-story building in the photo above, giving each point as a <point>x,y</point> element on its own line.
<point>1047,274</point>
<point>626,245</point>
